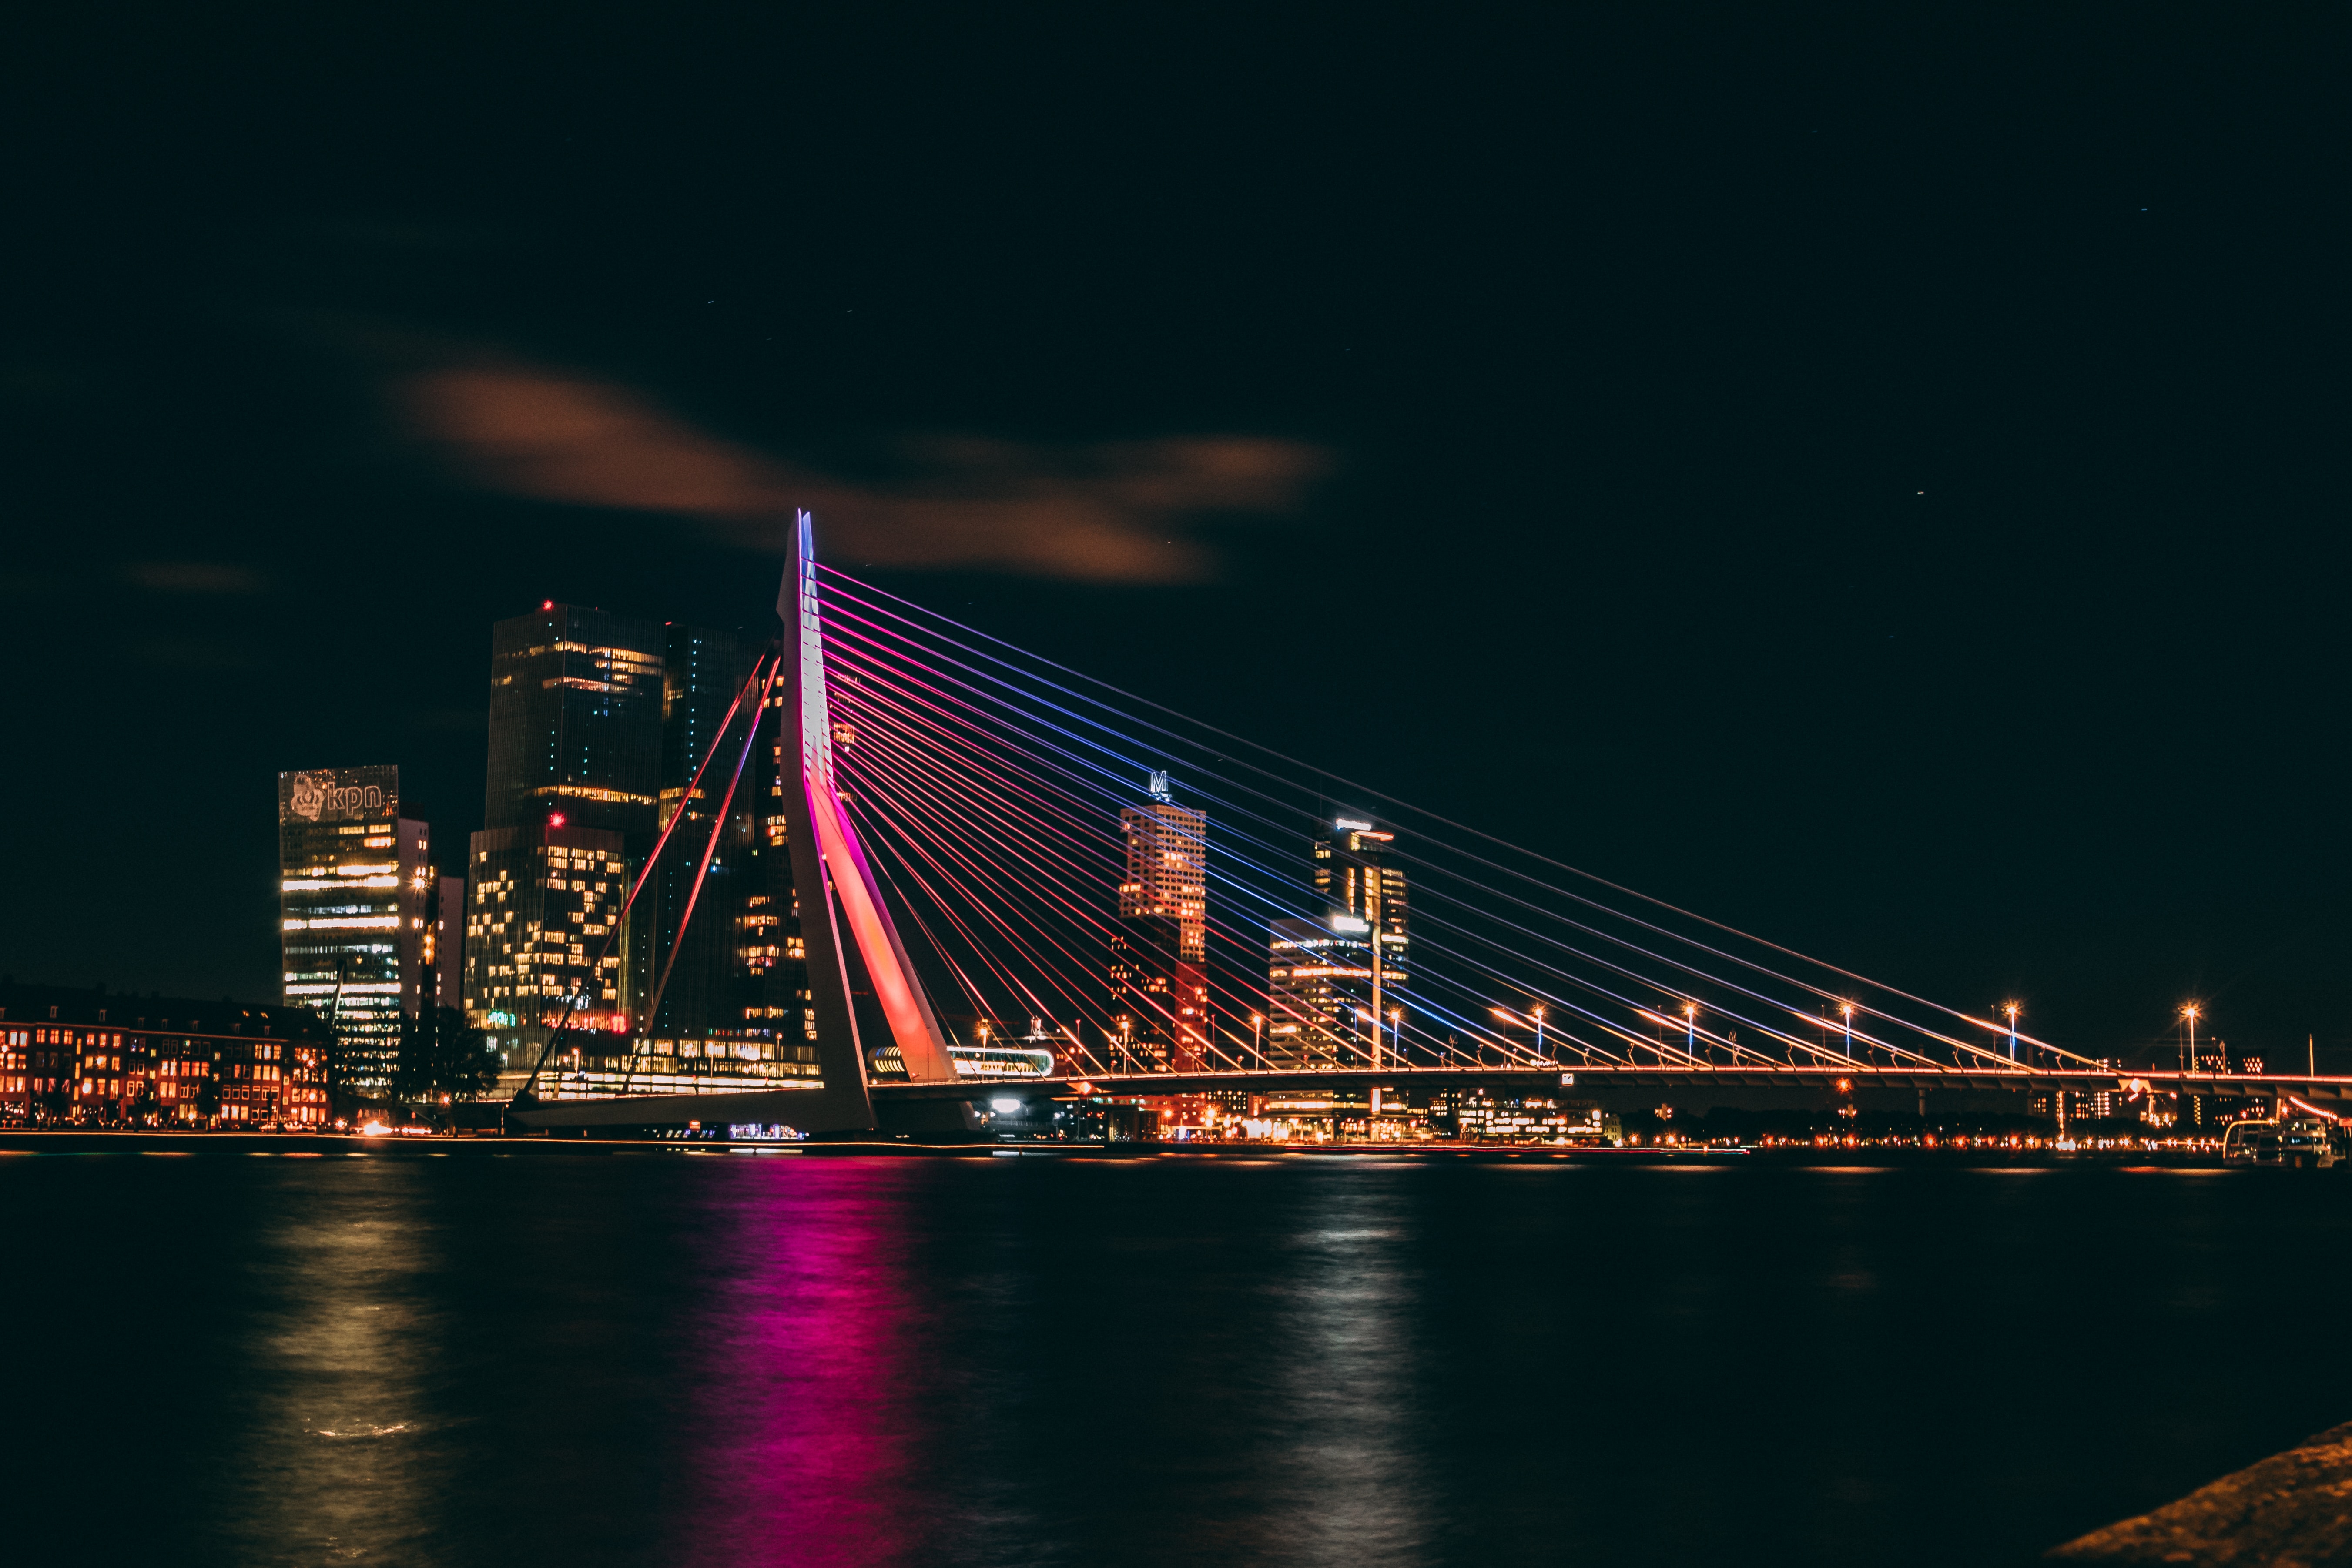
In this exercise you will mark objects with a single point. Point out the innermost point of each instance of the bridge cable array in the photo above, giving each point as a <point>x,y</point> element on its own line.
<point>989,784</point>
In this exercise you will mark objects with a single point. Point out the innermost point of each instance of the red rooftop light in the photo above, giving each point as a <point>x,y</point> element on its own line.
<point>555,819</point>
<point>547,604</point>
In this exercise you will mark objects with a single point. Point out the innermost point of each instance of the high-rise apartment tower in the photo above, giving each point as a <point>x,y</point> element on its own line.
<point>1158,978</point>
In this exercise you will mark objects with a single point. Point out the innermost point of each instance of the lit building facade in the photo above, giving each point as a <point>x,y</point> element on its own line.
<point>575,720</point>
<point>598,723</point>
<point>1481,1116</point>
<point>355,886</point>
<point>1355,876</point>
<point>1168,868</point>
<point>575,739</point>
<point>1319,990</point>
<point>1318,984</point>
<point>75,1056</point>
<point>568,815</point>
<point>540,907</point>
<point>1159,975</point>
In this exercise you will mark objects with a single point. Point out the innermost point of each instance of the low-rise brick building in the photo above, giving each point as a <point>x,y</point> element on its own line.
<point>68,1054</point>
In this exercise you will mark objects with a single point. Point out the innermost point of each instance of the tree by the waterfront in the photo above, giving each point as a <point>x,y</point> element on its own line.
<point>441,1057</point>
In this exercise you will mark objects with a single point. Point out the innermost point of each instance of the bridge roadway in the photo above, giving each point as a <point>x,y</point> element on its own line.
<point>1576,1081</point>
<point>1572,1080</point>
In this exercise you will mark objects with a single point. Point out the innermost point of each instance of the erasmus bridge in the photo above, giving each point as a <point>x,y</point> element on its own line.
<point>982,839</point>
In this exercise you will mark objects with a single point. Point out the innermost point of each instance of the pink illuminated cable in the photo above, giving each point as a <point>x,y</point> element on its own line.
<point>564,1025</point>
<point>1209,1043</point>
<point>898,743</point>
<point>710,851</point>
<point>1028,829</point>
<point>1070,843</point>
<point>1215,874</point>
<point>1956,1044</point>
<point>946,844</point>
<point>1076,909</point>
<point>1004,973</point>
<point>985,908</point>
<point>1576,871</point>
<point>1019,988</point>
<point>1736,1049</point>
<point>1627,1002</point>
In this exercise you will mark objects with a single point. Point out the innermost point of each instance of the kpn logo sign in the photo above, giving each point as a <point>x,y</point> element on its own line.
<point>338,795</point>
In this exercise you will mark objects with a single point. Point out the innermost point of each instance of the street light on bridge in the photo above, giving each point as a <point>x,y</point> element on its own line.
<point>1507,1016</point>
<point>2012,1009</point>
<point>2188,1040</point>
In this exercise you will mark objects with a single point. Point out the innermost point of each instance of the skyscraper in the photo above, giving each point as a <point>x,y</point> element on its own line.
<point>703,671</point>
<point>736,999</point>
<point>570,815</point>
<point>1354,874</point>
<point>1319,972</point>
<point>575,720</point>
<point>354,884</point>
<point>1159,980</point>
<point>540,905</point>
<point>1168,868</point>
<point>1318,992</point>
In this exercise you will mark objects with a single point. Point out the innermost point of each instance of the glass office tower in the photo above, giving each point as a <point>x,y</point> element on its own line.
<point>571,808</point>
<point>540,906</point>
<point>575,721</point>
<point>354,883</point>
<point>1319,972</point>
<point>1353,873</point>
<point>1318,993</point>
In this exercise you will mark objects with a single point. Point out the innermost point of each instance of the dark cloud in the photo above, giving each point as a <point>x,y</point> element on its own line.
<point>207,577</point>
<point>193,653</point>
<point>1106,512</point>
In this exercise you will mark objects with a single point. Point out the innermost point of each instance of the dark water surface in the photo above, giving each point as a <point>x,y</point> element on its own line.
<point>658,1359</point>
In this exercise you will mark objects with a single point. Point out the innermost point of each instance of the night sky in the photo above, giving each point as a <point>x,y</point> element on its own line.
<point>1877,480</point>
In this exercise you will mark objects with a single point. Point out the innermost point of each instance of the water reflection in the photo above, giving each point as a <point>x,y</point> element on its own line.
<point>1341,1482</point>
<point>662,1360</point>
<point>333,1458</point>
<point>806,1359</point>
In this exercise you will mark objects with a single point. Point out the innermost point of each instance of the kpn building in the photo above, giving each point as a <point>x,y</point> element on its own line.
<point>355,889</point>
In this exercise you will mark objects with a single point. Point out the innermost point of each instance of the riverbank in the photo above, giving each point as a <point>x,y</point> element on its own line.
<point>2288,1510</point>
<point>329,1145</point>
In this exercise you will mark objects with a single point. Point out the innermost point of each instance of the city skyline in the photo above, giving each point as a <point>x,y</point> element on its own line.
<point>1115,785</point>
<point>1805,571</point>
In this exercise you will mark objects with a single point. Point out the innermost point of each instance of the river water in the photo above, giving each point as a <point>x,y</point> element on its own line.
<point>663,1359</point>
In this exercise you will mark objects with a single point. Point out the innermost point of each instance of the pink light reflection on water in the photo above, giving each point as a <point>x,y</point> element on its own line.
<point>808,1376</point>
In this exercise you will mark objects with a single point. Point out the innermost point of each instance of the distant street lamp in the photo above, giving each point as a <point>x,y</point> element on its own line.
<point>1258,1040</point>
<point>1537,1012</point>
<point>2012,1010</point>
<point>2188,1039</point>
<point>1847,1008</point>
<point>1690,1029</point>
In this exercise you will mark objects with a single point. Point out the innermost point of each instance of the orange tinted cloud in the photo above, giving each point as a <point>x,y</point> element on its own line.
<point>1108,511</point>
